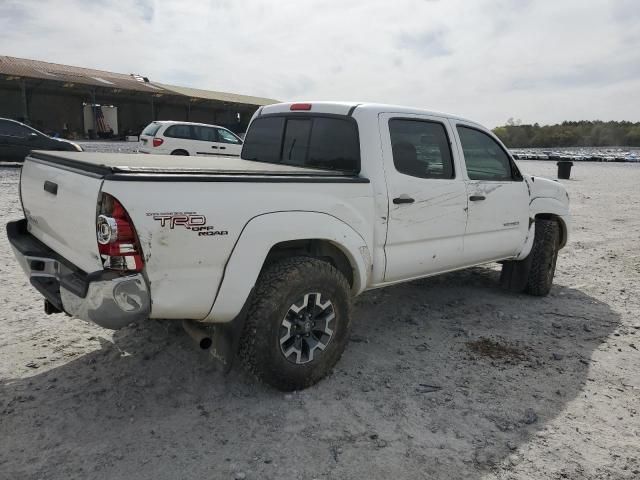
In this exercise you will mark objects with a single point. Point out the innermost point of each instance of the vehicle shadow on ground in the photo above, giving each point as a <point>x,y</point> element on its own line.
<point>447,376</point>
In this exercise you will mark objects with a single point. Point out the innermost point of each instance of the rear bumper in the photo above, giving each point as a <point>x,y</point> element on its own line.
<point>109,299</point>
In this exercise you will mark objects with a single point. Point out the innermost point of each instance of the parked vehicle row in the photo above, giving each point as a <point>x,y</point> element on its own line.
<point>263,254</point>
<point>161,137</point>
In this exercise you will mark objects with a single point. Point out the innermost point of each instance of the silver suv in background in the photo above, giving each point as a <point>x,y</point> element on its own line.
<point>185,138</point>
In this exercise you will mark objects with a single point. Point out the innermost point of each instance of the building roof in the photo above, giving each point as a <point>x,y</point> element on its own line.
<point>220,96</point>
<point>22,67</point>
<point>67,74</point>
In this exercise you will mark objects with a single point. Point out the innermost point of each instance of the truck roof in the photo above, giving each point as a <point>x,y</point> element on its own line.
<point>348,108</point>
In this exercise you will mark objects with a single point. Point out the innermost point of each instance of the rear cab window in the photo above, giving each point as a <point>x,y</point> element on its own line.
<point>151,129</point>
<point>323,141</point>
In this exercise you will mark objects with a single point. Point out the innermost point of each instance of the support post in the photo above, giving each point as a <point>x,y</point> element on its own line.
<point>25,105</point>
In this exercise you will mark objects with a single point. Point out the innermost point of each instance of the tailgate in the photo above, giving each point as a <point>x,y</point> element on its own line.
<point>60,206</point>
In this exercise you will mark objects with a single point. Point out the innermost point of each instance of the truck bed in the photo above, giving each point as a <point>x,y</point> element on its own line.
<point>115,166</point>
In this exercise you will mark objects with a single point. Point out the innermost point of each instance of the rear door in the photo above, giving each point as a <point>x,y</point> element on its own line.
<point>427,196</point>
<point>498,197</point>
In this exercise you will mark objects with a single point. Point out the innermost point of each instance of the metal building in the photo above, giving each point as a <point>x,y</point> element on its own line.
<point>66,99</point>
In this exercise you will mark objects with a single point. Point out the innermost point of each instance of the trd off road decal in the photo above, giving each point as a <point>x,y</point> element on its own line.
<point>188,220</point>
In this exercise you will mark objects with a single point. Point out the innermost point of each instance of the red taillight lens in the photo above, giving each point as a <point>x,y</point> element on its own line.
<point>300,106</point>
<point>117,239</point>
<point>157,142</point>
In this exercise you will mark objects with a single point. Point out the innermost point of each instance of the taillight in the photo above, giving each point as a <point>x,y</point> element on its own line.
<point>157,142</point>
<point>117,239</point>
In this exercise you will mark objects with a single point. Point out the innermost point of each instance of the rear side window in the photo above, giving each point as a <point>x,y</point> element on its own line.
<point>178,131</point>
<point>421,148</point>
<point>205,134</point>
<point>12,129</point>
<point>310,141</point>
<point>151,129</point>
<point>484,157</point>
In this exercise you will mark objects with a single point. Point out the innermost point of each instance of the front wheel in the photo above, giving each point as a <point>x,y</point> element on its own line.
<point>544,255</point>
<point>298,323</point>
<point>534,274</point>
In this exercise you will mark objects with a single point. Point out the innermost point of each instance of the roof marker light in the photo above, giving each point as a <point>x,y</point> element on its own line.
<point>300,106</point>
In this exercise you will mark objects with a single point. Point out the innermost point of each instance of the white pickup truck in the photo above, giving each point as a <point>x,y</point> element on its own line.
<point>261,256</point>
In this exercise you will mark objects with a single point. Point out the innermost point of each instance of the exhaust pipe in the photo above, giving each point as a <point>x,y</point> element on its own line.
<point>201,335</point>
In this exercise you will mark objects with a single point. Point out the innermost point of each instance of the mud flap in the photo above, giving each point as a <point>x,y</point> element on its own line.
<point>515,274</point>
<point>226,338</point>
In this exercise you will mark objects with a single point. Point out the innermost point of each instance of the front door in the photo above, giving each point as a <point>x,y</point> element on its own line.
<point>498,198</point>
<point>228,143</point>
<point>427,197</point>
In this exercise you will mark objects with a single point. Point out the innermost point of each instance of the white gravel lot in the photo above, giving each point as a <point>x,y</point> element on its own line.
<point>556,397</point>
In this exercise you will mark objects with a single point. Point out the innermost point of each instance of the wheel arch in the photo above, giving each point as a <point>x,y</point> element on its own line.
<point>552,209</point>
<point>180,151</point>
<point>269,237</point>
<point>560,221</point>
<point>322,249</point>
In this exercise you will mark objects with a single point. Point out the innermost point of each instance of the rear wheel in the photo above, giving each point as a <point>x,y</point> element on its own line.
<point>297,324</point>
<point>180,152</point>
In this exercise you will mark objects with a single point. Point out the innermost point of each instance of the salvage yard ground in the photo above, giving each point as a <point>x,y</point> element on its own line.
<point>448,377</point>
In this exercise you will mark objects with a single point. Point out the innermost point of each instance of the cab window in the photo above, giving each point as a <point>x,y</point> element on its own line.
<point>485,158</point>
<point>421,148</point>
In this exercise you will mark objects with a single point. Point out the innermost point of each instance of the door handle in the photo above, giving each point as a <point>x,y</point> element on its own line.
<point>477,198</point>
<point>213,146</point>
<point>51,187</point>
<point>223,148</point>
<point>403,199</point>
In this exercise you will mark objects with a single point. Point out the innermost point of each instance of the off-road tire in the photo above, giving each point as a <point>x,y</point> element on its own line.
<point>279,286</point>
<point>544,255</point>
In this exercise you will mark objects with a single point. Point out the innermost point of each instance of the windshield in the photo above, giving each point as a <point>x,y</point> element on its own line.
<point>313,141</point>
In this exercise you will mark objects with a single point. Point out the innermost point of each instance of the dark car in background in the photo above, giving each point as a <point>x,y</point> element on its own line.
<point>18,139</point>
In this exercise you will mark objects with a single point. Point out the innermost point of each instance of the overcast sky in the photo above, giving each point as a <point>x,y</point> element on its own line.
<point>539,61</point>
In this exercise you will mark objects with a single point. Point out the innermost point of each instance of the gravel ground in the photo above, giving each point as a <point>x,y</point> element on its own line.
<point>448,377</point>
<point>108,146</point>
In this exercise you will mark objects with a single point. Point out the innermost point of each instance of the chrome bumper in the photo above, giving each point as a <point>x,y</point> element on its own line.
<point>107,298</point>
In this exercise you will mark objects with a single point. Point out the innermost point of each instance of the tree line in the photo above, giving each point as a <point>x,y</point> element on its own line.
<point>570,134</point>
